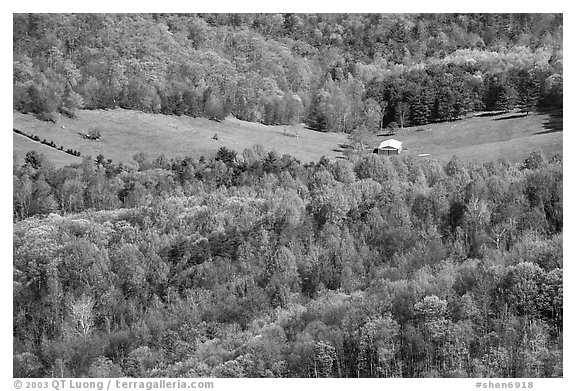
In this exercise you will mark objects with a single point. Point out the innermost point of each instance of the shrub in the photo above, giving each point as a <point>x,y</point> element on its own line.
<point>47,116</point>
<point>392,127</point>
<point>68,112</point>
<point>226,156</point>
<point>93,134</point>
<point>535,160</point>
<point>34,159</point>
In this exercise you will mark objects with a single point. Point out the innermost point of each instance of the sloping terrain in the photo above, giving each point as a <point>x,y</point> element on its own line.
<point>125,133</point>
<point>485,137</point>
<point>21,145</point>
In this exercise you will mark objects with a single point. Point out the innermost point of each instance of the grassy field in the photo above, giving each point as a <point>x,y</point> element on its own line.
<point>21,145</point>
<point>485,137</point>
<point>125,133</point>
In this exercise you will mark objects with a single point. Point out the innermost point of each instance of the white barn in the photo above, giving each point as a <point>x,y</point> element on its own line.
<point>390,147</point>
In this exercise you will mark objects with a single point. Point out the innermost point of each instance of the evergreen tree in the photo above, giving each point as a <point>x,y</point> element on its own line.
<point>507,98</point>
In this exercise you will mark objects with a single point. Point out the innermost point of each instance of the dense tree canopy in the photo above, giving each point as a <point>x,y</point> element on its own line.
<point>256,265</point>
<point>335,72</point>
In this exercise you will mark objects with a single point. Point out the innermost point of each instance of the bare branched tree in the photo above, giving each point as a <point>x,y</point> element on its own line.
<point>82,315</point>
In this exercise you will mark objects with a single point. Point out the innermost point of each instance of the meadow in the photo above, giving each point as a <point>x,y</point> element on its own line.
<point>124,133</point>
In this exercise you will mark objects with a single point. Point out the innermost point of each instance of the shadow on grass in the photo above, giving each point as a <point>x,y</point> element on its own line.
<point>342,147</point>
<point>491,114</point>
<point>554,122</point>
<point>315,129</point>
<point>386,134</point>
<point>513,116</point>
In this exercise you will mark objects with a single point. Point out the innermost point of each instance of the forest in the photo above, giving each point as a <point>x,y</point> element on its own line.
<point>254,264</point>
<point>335,72</point>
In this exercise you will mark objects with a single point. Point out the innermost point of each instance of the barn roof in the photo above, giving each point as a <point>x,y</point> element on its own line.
<point>391,143</point>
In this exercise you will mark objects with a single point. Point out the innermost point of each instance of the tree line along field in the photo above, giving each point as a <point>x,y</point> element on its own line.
<point>21,145</point>
<point>226,216</point>
<point>483,137</point>
<point>335,72</point>
<point>125,133</point>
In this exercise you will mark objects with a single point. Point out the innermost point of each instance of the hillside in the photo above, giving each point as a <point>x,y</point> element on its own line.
<point>381,267</point>
<point>21,145</point>
<point>334,72</point>
<point>485,137</point>
<point>125,133</point>
<point>207,203</point>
